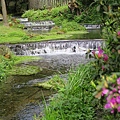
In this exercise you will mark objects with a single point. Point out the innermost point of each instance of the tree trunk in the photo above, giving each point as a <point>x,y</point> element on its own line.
<point>4,12</point>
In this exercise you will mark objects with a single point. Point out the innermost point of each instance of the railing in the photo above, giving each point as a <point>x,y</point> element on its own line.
<point>40,4</point>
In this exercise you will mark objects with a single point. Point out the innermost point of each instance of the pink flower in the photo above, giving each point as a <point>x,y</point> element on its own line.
<point>105,57</point>
<point>119,87</point>
<point>118,99</point>
<point>105,91</point>
<point>118,33</point>
<point>119,91</point>
<point>118,81</point>
<point>100,52</point>
<point>112,102</point>
<point>107,106</point>
<point>111,92</point>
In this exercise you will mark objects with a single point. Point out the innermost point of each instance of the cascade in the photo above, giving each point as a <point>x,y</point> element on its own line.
<point>56,47</point>
<point>36,26</point>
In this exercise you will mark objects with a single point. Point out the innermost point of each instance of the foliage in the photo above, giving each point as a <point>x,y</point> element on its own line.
<point>74,102</point>
<point>60,14</point>
<point>100,64</point>
<point>56,83</point>
<point>24,70</point>
<point>36,15</point>
<point>16,6</point>
<point>19,69</point>
<point>5,65</point>
<point>85,3</point>
<point>72,26</point>
<point>107,89</point>
<point>89,15</point>
<point>22,59</point>
<point>14,22</point>
<point>16,35</point>
<point>111,24</point>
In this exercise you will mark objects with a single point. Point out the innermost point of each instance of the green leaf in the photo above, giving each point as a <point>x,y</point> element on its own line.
<point>98,8</point>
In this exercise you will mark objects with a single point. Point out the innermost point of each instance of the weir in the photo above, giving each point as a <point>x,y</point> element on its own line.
<point>56,47</point>
<point>46,25</point>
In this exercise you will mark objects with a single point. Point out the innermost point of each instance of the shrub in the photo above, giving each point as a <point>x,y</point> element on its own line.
<point>72,26</point>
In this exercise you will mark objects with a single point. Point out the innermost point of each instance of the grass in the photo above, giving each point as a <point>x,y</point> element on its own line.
<point>56,83</point>
<point>24,70</point>
<point>17,69</point>
<point>18,35</point>
<point>22,59</point>
<point>13,66</point>
<point>75,101</point>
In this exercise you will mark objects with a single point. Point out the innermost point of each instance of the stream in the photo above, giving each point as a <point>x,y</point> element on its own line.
<point>21,100</point>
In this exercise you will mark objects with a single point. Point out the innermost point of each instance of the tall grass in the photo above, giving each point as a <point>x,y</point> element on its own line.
<point>76,101</point>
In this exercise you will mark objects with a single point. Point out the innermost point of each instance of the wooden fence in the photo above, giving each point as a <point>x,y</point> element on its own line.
<point>40,4</point>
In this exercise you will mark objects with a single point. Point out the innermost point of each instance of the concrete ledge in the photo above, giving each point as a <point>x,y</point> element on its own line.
<point>92,26</point>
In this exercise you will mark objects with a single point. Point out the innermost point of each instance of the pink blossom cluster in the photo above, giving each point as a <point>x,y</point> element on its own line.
<point>101,55</point>
<point>112,97</point>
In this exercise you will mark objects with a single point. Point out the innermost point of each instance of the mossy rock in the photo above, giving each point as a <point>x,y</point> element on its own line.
<point>5,51</point>
<point>24,70</point>
<point>55,83</point>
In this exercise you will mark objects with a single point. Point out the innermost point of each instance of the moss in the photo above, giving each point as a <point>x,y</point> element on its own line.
<point>19,69</point>
<point>22,59</point>
<point>56,83</point>
<point>24,70</point>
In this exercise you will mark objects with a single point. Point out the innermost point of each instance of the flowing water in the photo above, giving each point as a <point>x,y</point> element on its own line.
<point>19,98</point>
<point>57,47</point>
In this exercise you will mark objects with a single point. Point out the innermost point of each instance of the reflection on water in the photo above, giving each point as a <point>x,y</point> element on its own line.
<point>92,34</point>
<point>15,95</point>
<point>19,98</point>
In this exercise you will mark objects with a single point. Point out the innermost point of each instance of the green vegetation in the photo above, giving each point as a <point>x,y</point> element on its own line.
<point>5,65</point>
<point>23,59</point>
<point>62,15</point>
<point>17,35</point>
<point>99,78</point>
<point>18,69</point>
<point>24,70</point>
<point>9,65</point>
<point>55,83</point>
<point>74,101</point>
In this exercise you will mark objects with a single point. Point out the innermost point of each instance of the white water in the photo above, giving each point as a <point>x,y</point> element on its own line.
<point>80,47</point>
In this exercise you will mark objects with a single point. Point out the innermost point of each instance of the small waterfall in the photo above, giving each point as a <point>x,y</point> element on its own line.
<point>36,26</point>
<point>56,47</point>
<point>92,26</point>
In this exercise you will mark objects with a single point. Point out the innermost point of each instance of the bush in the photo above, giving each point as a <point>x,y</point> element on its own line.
<point>72,26</point>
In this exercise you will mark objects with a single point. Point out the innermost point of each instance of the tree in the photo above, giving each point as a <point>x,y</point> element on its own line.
<point>4,11</point>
